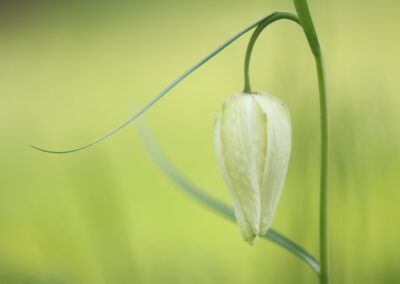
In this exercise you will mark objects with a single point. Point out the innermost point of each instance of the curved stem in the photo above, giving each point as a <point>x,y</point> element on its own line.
<point>199,195</point>
<point>278,16</point>
<point>164,91</point>
<point>308,27</point>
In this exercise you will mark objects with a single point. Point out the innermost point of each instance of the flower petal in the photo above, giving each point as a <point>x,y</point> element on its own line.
<point>277,159</point>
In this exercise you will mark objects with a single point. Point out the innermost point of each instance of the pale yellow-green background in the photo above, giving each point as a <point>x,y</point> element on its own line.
<point>71,71</point>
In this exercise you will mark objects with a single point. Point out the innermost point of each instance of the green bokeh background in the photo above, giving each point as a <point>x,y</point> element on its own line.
<point>70,71</point>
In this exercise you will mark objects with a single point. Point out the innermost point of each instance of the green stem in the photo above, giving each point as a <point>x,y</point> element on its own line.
<point>306,21</point>
<point>275,17</point>
<point>323,223</point>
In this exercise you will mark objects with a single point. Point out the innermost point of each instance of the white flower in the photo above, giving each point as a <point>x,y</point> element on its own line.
<point>253,143</point>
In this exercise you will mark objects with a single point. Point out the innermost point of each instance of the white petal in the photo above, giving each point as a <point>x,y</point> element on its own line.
<point>253,144</point>
<point>278,152</point>
<point>241,150</point>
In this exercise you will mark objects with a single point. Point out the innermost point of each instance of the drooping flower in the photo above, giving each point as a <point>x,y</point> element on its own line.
<point>253,144</point>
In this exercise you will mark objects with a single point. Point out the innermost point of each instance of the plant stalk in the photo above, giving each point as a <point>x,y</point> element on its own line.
<point>274,17</point>
<point>308,27</point>
<point>323,222</point>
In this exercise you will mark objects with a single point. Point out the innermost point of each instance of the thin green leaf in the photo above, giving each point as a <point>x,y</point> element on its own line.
<point>166,89</point>
<point>198,194</point>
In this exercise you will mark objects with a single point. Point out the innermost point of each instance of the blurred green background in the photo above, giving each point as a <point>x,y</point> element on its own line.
<point>70,71</point>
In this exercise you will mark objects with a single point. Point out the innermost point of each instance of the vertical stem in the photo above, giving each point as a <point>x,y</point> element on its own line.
<point>308,27</point>
<point>323,218</point>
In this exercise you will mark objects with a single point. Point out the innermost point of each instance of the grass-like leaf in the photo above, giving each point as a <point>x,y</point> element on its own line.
<point>271,17</point>
<point>198,194</point>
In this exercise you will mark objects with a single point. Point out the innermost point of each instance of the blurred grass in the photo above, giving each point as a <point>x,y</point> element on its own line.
<point>107,215</point>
